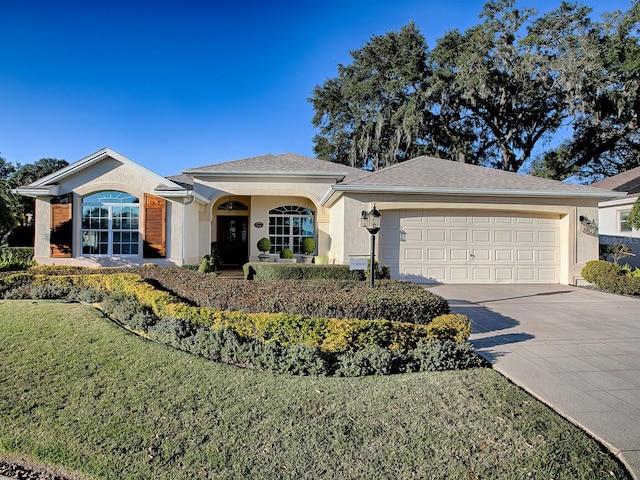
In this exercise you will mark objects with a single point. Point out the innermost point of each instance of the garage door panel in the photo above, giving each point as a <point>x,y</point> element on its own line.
<point>548,275</point>
<point>459,274</point>
<point>548,256</point>
<point>478,247</point>
<point>504,275</point>
<point>503,236</point>
<point>525,255</point>
<point>414,254</point>
<point>481,274</point>
<point>436,254</point>
<point>412,235</point>
<point>459,235</point>
<point>480,236</point>
<point>481,254</point>
<point>503,255</point>
<point>459,254</point>
<point>548,237</point>
<point>436,235</point>
<point>525,236</point>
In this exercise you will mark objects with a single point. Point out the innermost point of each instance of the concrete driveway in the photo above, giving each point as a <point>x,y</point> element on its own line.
<point>575,349</point>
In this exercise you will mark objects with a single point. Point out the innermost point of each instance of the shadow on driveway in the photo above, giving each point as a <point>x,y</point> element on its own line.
<point>486,326</point>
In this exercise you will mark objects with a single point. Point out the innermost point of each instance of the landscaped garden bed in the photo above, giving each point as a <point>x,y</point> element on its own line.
<point>345,328</point>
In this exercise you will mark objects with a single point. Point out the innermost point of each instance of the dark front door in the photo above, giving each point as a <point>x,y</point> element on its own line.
<point>233,240</point>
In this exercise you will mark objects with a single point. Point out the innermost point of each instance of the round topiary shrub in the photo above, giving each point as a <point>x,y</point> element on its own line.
<point>308,245</point>
<point>286,253</point>
<point>264,244</point>
<point>595,271</point>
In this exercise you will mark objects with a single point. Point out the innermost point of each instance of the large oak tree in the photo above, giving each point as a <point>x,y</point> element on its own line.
<point>493,94</point>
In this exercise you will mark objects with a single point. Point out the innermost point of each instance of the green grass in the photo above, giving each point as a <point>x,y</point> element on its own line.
<point>78,391</point>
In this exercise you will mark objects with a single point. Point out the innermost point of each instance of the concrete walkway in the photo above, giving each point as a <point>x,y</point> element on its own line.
<point>575,349</point>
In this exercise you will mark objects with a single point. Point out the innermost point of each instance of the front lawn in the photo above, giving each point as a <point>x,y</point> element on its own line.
<point>78,391</point>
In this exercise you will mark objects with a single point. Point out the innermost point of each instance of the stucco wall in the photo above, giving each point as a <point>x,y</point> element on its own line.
<point>577,247</point>
<point>109,174</point>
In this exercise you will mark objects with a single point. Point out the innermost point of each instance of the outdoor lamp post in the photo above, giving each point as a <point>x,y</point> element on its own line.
<point>371,221</point>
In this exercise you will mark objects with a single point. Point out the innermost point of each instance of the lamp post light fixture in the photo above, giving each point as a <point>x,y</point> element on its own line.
<point>371,221</point>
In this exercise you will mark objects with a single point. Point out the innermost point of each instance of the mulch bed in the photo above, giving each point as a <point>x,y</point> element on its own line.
<point>14,470</point>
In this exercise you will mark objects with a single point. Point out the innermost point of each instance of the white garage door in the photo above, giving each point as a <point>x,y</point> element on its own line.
<point>470,246</point>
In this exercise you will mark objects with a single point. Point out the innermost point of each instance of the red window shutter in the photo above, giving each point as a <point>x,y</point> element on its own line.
<point>155,227</point>
<point>61,235</point>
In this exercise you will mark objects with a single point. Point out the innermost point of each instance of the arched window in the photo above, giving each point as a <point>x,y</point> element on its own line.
<point>288,226</point>
<point>110,224</point>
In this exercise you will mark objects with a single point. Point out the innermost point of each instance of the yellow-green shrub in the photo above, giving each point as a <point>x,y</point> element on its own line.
<point>452,326</point>
<point>328,335</point>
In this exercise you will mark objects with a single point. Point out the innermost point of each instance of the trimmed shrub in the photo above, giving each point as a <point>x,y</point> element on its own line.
<point>286,253</point>
<point>208,264</point>
<point>308,245</point>
<point>594,270</point>
<point>264,245</point>
<point>611,278</point>
<point>370,361</point>
<point>298,271</point>
<point>389,299</point>
<point>279,342</point>
<point>452,326</point>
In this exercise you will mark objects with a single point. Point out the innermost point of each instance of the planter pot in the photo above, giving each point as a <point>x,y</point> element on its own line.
<point>306,258</point>
<point>321,260</point>
<point>286,260</point>
<point>265,257</point>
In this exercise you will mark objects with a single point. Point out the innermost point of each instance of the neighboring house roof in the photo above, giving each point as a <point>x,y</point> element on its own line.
<point>424,175</point>
<point>285,164</point>
<point>628,182</point>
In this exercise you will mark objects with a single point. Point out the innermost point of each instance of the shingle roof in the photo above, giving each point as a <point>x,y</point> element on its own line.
<point>628,181</point>
<point>428,173</point>
<point>185,181</point>
<point>285,163</point>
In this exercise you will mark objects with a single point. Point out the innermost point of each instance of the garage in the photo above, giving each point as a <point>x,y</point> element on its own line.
<point>458,246</point>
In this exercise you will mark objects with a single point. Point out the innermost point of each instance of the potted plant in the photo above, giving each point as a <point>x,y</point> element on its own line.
<point>308,246</point>
<point>264,245</point>
<point>286,256</point>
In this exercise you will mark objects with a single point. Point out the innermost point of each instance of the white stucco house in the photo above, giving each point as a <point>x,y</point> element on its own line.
<point>442,221</point>
<point>613,214</point>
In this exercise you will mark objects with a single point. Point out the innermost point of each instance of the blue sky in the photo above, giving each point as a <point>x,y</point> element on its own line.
<point>178,84</point>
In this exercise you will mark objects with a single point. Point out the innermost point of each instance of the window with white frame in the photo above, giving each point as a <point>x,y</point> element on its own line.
<point>110,224</point>
<point>288,226</point>
<point>623,215</point>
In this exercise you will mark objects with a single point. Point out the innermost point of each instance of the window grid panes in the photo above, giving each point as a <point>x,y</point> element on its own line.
<point>110,223</point>
<point>623,215</point>
<point>288,226</point>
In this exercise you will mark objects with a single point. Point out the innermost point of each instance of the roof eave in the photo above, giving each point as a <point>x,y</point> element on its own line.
<point>34,192</point>
<point>256,174</point>
<point>484,192</point>
<point>94,158</point>
<point>620,201</point>
<point>182,193</point>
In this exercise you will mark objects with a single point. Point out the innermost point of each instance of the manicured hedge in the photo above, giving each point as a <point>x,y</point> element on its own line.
<point>328,334</point>
<point>611,278</point>
<point>299,271</point>
<point>279,342</point>
<point>388,299</point>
